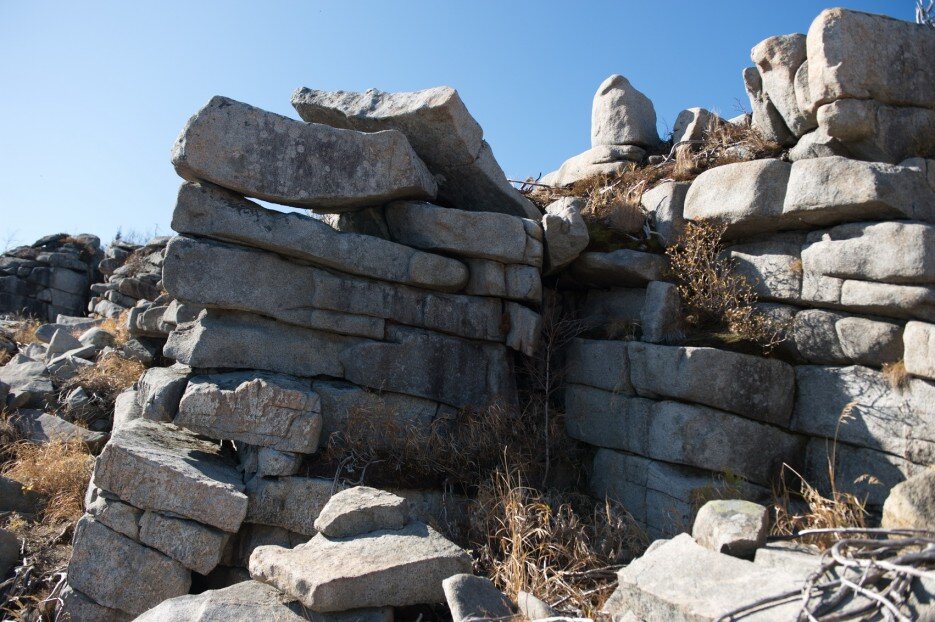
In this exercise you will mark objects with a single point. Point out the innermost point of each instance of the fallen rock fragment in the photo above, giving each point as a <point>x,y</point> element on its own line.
<point>733,527</point>
<point>359,510</point>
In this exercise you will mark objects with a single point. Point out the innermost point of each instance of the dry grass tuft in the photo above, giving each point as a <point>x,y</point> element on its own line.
<point>565,549</point>
<point>59,470</point>
<point>5,357</point>
<point>25,332</point>
<point>896,375</point>
<point>108,377</point>
<point>118,328</point>
<point>715,298</point>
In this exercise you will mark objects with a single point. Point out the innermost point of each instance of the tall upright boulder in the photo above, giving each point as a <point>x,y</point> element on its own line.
<point>622,115</point>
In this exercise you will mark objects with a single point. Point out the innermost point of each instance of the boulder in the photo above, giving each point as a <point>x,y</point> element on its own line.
<point>27,381</point>
<point>615,313</point>
<point>855,55</point>
<point>292,503</point>
<point>533,608</point>
<point>511,281</point>
<point>483,235</point>
<point>525,328</point>
<point>108,510</point>
<point>765,119</point>
<point>734,527</point>
<point>694,124</point>
<point>857,405</point>
<point>911,504</point>
<point>159,390</point>
<point>565,232</point>
<point>601,364</point>
<point>220,275</point>
<point>208,211</point>
<point>360,510</point>
<point>890,252</point>
<point>661,315</point>
<point>869,130</point>
<point>274,158</point>
<point>9,551</point>
<point>40,427</point>
<point>680,433</point>
<point>440,129</point>
<point>832,338</point>
<point>475,598</point>
<point>194,545</point>
<point>382,568</point>
<point>919,343</point>
<point>665,203</point>
<point>771,266</point>
<point>62,341</point>
<point>682,581</point>
<point>619,268</point>
<point>76,606</point>
<point>622,115</point>
<point>751,386</point>
<point>126,409</point>
<point>118,573</point>
<point>157,466</point>
<point>602,160</point>
<point>778,59</point>
<point>15,498</point>
<point>267,462</point>
<point>267,410</point>
<point>97,337</point>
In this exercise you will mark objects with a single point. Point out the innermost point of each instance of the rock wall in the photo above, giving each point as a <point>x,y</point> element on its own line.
<point>50,277</point>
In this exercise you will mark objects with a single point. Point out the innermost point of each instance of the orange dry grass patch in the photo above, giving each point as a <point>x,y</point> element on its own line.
<point>25,333</point>
<point>59,470</point>
<point>108,377</point>
<point>118,328</point>
<point>896,375</point>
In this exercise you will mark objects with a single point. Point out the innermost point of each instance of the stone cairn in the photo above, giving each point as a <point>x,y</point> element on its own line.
<point>410,291</point>
<point>50,277</point>
<point>304,324</point>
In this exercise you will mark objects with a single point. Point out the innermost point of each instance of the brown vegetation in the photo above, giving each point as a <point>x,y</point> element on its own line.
<point>117,327</point>
<point>714,297</point>
<point>896,375</point>
<point>108,377</point>
<point>58,470</point>
<point>25,331</point>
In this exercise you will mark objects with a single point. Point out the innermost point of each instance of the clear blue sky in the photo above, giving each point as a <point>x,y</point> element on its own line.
<point>92,94</point>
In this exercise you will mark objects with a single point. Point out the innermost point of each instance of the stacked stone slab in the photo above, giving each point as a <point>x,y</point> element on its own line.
<point>857,85</point>
<point>132,274</point>
<point>50,277</point>
<point>841,249</point>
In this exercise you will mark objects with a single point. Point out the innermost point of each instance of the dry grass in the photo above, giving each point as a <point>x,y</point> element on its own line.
<point>5,357</point>
<point>25,332</point>
<point>118,328</point>
<point>896,375</point>
<point>715,298</point>
<point>565,549</point>
<point>837,510</point>
<point>59,470</point>
<point>108,377</point>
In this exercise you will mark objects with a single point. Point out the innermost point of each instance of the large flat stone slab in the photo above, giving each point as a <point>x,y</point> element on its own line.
<point>681,433</point>
<point>210,211</point>
<point>118,573</point>
<point>157,466</point>
<point>682,581</point>
<point>900,422</point>
<point>751,386</point>
<point>382,568</point>
<point>292,503</point>
<point>439,128</point>
<point>267,410</point>
<point>227,276</point>
<point>482,235</point>
<point>267,156</point>
<point>362,509</point>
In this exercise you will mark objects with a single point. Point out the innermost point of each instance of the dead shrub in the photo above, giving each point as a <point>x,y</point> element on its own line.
<point>58,470</point>
<point>565,549</point>
<point>715,298</point>
<point>117,327</point>
<point>896,375</point>
<point>837,510</point>
<point>108,377</point>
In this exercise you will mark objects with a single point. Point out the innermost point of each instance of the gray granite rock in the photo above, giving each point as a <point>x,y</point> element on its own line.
<point>192,544</point>
<point>832,338</point>
<point>619,268</point>
<point>27,382</point>
<point>666,203</point>
<point>475,598</point>
<point>292,503</point>
<point>76,606</point>
<point>919,344</point>
<point>108,510</point>
<point>599,161</point>
<point>911,504</point>
<point>622,115</point>
<point>39,427</point>
<point>734,527</point>
<point>159,390</point>
<point>274,158</point>
<point>360,510</point>
<point>566,234</point>
<point>778,59</point>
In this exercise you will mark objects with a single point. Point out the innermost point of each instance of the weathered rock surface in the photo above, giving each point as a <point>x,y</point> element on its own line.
<point>108,510</point>
<point>661,315</point>
<point>274,158</point>
<point>733,527</point>
<point>475,598</point>
<point>566,234</point>
<point>118,573</point>
<point>292,503</point>
<point>832,338</point>
<point>869,130</point>
<point>27,382</point>
<point>511,281</point>
<point>247,601</point>
<point>440,129</point>
<point>919,343</point>
<point>40,427</point>
<point>765,118</point>
<point>751,386</point>
<point>76,606</point>
<point>395,568</point>
<point>855,55</point>
<point>680,433</point>
<point>268,410</point>
<point>15,498</point>
<point>533,608</point>
<point>210,211</point>
<point>619,268</point>
<point>193,545</point>
<point>778,59</point>
<point>681,581</point>
<point>159,390</point>
<point>622,115</point>
<point>608,160</point>
<point>599,363</point>
<point>220,275</point>
<point>666,202</point>
<point>360,510</point>
<point>771,266</point>
<point>694,124</point>
<point>484,235</point>
<point>911,504</point>
<point>157,466</point>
